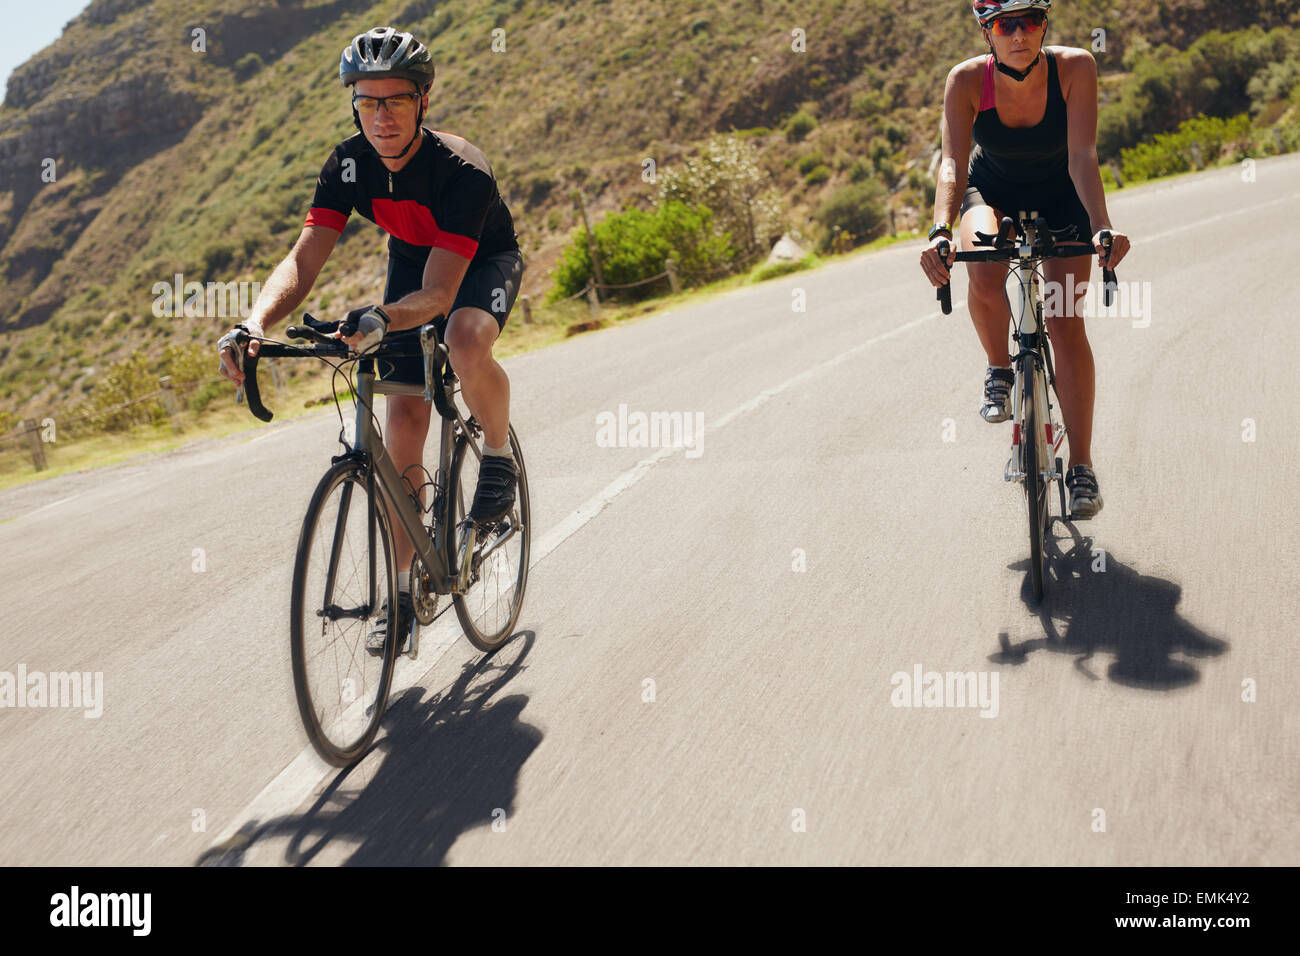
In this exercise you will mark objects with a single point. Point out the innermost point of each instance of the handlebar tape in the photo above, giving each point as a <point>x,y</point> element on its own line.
<point>251,391</point>
<point>944,292</point>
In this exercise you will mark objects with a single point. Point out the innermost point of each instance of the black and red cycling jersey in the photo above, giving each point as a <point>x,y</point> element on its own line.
<point>445,198</point>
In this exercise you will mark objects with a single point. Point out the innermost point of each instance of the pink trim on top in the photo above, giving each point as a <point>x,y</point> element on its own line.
<point>986,98</point>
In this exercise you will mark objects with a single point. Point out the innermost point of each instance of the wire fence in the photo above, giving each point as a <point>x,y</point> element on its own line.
<point>33,436</point>
<point>593,289</point>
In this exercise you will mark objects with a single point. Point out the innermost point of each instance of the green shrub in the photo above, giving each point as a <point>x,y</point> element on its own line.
<point>857,210</point>
<point>799,126</point>
<point>817,175</point>
<point>633,245</point>
<point>869,103</point>
<point>204,395</point>
<point>807,162</point>
<point>121,382</point>
<point>860,170</point>
<point>188,363</point>
<point>1170,153</point>
<point>879,150</point>
<point>1220,75</point>
<point>247,65</point>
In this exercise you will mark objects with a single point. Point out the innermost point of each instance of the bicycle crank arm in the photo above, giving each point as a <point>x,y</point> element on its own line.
<point>465,559</point>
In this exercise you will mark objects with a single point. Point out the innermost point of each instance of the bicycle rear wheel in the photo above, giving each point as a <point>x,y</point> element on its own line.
<point>490,606</point>
<point>1035,452</point>
<point>344,573</point>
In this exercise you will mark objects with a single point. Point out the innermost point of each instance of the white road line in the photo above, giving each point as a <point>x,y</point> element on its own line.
<point>52,504</point>
<point>1200,223</point>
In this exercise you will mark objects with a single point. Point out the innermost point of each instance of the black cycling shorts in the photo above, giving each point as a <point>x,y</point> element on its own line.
<point>1057,202</point>
<point>491,285</point>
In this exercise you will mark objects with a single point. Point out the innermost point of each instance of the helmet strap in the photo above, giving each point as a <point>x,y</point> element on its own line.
<point>1017,75</point>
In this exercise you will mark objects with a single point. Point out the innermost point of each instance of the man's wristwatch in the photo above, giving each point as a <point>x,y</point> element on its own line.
<point>938,228</point>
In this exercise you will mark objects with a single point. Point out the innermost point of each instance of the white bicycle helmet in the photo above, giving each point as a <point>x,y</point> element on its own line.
<point>988,10</point>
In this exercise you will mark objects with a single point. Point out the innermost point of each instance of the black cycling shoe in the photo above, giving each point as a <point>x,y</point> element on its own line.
<point>495,493</point>
<point>997,394</point>
<point>405,622</point>
<point>1085,497</point>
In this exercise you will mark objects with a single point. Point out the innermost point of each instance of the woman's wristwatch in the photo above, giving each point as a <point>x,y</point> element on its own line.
<point>938,228</point>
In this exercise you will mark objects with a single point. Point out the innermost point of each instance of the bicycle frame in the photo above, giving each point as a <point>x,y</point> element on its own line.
<point>430,549</point>
<point>1033,364</point>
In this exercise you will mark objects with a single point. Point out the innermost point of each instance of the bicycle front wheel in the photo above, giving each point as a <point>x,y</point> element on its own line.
<point>490,605</point>
<point>344,579</point>
<point>1035,452</point>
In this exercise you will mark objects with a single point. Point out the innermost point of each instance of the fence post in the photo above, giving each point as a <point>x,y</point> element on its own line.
<point>169,402</point>
<point>527,305</point>
<point>1277,138</point>
<point>34,441</point>
<point>1196,155</point>
<point>1114,171</point>
<point>670,266</point>
<point>581,203</point>
<point>275,373</point>
<point>893,224</point>
<point>592,301</point>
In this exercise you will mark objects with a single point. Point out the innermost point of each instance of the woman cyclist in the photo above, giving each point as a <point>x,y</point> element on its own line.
<point>1032,111</point>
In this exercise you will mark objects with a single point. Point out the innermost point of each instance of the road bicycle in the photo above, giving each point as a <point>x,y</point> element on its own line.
<point>1036,435</point>
<point>345,573</point>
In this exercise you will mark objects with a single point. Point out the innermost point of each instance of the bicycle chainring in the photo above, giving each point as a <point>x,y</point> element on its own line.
<point>423,598</point>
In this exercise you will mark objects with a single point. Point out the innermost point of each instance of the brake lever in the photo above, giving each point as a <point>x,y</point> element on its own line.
<point>1110,285</point>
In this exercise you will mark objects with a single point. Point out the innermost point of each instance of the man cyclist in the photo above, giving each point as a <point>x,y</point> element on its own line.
<point>1032,111</point>
<point>452,251</point>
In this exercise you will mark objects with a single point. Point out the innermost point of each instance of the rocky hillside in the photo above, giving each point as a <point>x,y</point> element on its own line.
<point>185,135</point>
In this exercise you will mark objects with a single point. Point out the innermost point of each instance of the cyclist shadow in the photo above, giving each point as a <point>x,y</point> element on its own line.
<point>453,763</point>
<point>1094,603</point>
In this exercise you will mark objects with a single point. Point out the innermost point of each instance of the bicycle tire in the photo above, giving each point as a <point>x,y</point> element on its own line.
<point>1035,487</point>
<point>359,716</point>
<point>460,498</point>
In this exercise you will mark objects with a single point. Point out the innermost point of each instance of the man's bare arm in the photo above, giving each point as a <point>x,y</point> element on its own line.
<point>294,277</point>
<point>287,286</point>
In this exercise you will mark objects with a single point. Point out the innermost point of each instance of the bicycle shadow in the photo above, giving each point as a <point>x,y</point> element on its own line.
<point>452,763</point>
<point>1094,603</point>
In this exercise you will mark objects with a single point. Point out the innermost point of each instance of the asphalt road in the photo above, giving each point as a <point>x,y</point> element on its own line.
<point>713,648</point>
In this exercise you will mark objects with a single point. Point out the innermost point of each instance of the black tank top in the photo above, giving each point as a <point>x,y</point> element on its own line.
<point>1021,155</point>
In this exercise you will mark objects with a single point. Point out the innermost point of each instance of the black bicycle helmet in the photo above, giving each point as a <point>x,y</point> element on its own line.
<point>384,52</point>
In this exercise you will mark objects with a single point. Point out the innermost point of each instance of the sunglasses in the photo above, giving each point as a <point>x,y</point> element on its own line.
<point>1031,23</point>
<point>399,105</point>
